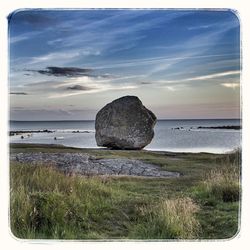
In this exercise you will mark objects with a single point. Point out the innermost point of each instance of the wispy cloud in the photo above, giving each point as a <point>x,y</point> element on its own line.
<point>211,80</point>
<point>95,89</point>
<point>73,72</point>
<point>196,46</point>
<point>24,36</point>
<point>198,27</point>
<point>79,88</point>
<point>61,86</point>
<point>18,93</point>
<point>53,57</point>
<point>211,76</point>
<point>65,71</point>
<point>231,85</point>
<point>157,61</point>
<point>114,34</point>
<point>146,83</point>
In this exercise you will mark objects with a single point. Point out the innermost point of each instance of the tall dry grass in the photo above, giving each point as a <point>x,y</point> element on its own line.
<point>223,183</point>
<point>170,219</point>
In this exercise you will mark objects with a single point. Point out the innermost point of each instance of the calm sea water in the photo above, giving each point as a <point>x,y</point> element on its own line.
<point>187,139</point>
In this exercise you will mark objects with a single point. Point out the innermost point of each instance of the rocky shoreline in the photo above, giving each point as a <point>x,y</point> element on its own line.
<point>235,127</point>
<point>232,127</point>
<point>20,132</point>
<point>89,165</point>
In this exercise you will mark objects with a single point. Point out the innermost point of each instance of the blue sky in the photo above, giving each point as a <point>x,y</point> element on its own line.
<point>67,64</point>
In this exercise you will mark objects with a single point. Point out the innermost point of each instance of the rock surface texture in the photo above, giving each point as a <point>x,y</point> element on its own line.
<point>124,124</point>
<point>89,165</point>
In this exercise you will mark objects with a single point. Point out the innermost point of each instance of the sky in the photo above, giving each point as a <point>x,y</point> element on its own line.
<point>68,64</point>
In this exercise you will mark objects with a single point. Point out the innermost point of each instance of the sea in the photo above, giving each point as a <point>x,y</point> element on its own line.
<point>170,135</point>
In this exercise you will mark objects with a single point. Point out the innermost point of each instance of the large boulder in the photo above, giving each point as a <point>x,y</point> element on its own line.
<point>124,124</point>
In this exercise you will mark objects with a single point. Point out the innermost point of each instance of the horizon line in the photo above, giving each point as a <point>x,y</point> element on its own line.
<point>162,119</point>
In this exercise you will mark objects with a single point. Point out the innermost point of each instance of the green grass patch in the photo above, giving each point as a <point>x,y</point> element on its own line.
<point>47,204</point>
<point>218,193</point>
<point>221,183</point>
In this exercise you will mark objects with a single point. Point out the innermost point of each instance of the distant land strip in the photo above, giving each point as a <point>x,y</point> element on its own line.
<point>18,132</point>
<point>236,127</point>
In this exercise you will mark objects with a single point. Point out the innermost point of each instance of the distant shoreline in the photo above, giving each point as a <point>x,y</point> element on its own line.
<point>233,127</point>
<point>220,127</point>
<point>20,132</point>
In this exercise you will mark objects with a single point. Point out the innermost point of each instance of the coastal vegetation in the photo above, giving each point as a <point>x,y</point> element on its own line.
<point>203,203</point>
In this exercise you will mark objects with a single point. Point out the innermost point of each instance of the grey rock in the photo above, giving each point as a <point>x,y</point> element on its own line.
<point>85,164</point>
<point>124,124</point>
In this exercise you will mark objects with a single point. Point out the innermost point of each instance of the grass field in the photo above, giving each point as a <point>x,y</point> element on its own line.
<point>201,204</point>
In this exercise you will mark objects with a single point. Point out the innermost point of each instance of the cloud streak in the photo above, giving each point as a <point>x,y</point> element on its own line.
<point>211,76</point>
<point>71,72</point>
<point>79,88</point>
<point>231,85</point>
<point>201,77</point>
<point>18,93</point>
<point>25,36</point>
<point>65,71</point>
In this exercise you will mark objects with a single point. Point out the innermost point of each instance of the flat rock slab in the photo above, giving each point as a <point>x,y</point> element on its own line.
<point>85,164</point>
